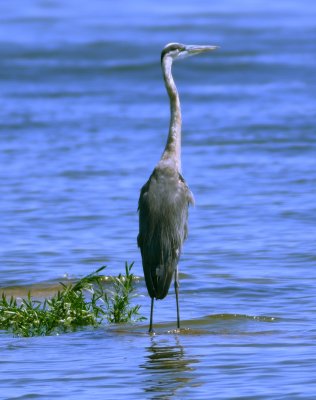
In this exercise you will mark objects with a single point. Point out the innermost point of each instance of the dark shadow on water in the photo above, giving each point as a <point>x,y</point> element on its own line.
<point>168,368</point>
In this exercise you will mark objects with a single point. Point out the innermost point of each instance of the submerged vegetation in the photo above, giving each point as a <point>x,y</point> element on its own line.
<point>86,303</point>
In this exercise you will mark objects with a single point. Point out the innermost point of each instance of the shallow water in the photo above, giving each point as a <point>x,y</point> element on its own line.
<point>83,120</point>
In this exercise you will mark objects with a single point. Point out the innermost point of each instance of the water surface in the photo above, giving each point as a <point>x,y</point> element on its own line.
<point>83,121</point>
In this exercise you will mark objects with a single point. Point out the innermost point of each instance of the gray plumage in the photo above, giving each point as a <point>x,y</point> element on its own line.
<point>163,226</point>
<point>165,197</point>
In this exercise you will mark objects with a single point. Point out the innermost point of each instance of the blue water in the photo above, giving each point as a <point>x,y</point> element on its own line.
<point>83,121</point>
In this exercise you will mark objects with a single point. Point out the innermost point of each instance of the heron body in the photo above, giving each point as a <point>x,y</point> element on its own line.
<point>165,197</point>
<point>163,215</point>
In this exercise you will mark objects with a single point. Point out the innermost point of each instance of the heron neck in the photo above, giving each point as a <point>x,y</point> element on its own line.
<point>173,146</point>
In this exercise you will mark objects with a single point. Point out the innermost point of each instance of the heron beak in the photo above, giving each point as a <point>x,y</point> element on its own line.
<point>192,50</point>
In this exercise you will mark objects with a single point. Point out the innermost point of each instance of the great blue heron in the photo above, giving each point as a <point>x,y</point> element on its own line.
<point>165,197</point>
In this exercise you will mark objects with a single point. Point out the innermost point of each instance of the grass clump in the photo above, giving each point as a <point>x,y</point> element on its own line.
<point>118,300</point>
<point>71,307</point>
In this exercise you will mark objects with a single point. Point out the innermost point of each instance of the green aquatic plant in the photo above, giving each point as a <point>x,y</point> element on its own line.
<point>118,300</point>
<point>71,307</point>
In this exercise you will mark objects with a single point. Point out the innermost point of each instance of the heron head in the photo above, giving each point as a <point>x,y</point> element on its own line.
<point>179,51</point>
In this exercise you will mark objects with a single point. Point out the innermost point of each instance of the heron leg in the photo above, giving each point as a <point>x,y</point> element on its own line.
<point>151,315</point>
<point>176,288</point>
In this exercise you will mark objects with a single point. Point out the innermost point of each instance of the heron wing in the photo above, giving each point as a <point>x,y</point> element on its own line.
<point>163,214</point>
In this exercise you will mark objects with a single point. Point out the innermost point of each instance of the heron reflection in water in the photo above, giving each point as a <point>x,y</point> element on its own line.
<point>169,370</point>
<point>165,197</point>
